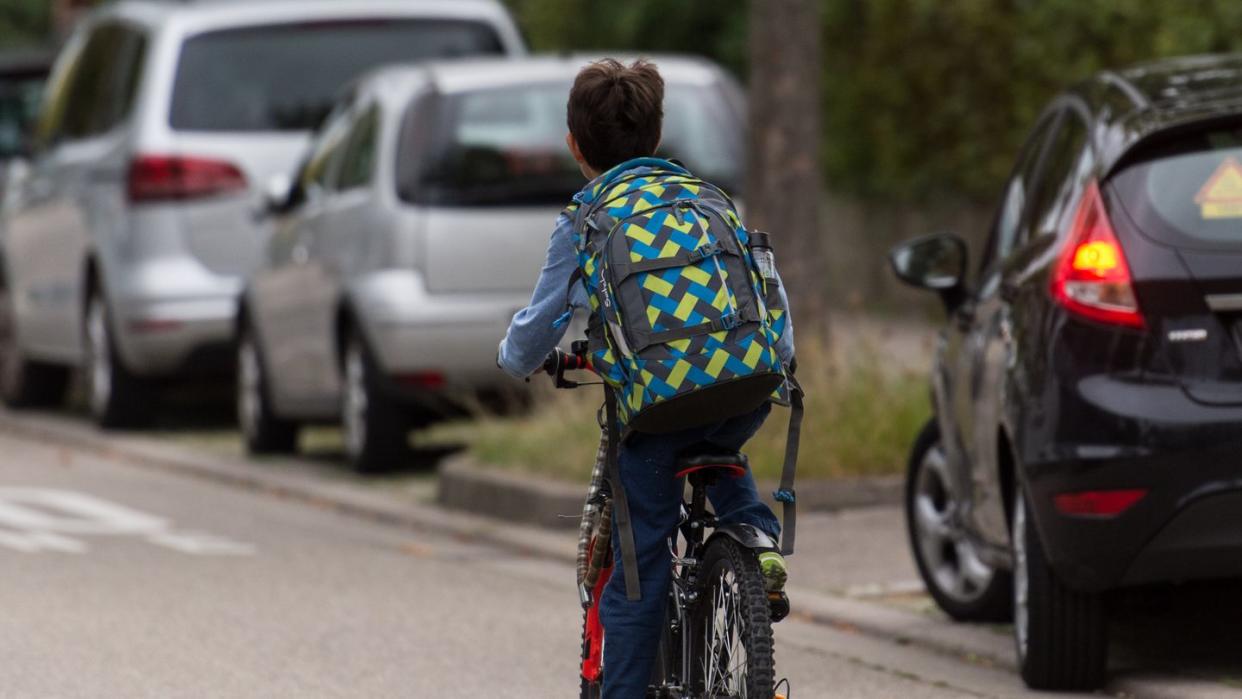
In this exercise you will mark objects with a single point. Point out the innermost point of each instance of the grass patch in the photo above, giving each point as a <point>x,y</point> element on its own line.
<point>861,417</point>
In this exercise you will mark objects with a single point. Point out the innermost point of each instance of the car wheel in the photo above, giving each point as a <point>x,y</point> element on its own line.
<point>376,431</point>
<point>965,587</point>
<point>117,398</point>
<point>262,431</point>
<point>1061,634</point>
<point>25,383</point>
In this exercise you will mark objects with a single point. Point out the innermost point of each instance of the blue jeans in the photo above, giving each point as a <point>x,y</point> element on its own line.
<point>648,464</point>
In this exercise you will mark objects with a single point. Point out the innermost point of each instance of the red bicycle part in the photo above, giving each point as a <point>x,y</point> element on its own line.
<point>731,470</point>
<point>592,664</point>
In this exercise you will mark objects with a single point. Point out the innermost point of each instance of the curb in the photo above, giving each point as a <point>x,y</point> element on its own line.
<point>968,643</point>
<point>467,486</point>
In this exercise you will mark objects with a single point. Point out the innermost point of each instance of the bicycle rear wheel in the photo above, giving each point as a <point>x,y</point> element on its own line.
<point>731,625</point>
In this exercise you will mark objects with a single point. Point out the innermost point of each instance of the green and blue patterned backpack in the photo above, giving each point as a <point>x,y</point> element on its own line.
<point>683,325</point>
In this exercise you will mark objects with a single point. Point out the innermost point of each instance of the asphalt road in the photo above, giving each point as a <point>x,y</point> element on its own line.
<point>127,582</point>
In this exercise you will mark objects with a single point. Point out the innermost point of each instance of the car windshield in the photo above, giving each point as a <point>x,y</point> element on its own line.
<point>1188,191</point>
<point>506,146</point>
<point>285,77</point>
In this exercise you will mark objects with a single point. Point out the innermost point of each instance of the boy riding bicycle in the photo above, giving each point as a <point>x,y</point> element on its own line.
<point>615,117</point>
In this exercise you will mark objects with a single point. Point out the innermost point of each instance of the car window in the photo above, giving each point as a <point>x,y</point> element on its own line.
<point>56,94</point>
<point>1018,189</point>
<point>285,77</point>
<point>358,162</point>
<point>506,145</point>
<point>104,81</point>
<point>321,168</point>
<point>1182,188</point>
<point>1059,176</point>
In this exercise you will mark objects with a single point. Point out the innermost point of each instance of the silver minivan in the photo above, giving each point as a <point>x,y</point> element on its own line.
<point>415,230</point>
<point>125,244</point>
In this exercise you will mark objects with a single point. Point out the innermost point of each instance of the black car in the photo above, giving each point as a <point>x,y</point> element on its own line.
<point>1088,384</point>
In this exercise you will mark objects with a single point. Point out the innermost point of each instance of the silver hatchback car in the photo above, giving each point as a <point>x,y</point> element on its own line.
<point>415,230</point>
<point>125,244</point>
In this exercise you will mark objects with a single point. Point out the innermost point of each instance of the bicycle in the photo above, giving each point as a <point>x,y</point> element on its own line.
<point>717,639</point>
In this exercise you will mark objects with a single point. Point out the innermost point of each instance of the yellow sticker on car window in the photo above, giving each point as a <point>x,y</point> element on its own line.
<point>1221,195</point>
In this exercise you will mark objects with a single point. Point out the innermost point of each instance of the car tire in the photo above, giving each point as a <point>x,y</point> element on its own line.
<point>374,427</point>
<point>1061,634</point>
<point>25,383</point>
<point>963,586</point>
<point>263,432</point>
<point>117,398</point>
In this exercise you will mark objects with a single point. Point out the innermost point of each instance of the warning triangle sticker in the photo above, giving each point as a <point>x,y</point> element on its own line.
<point>1221,195</point>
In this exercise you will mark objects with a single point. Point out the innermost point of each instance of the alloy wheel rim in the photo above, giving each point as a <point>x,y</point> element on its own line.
<point>1021,585</point>
<point>355,402</point>
<point>98,356</point>
<point>951,559</point>
<point>725,661</point>
<point>248,383</point>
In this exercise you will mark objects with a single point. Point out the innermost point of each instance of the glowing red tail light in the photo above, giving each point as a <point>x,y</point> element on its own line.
<point>1091,277</point>
<point>1097,503</point>
<point>177,178</point>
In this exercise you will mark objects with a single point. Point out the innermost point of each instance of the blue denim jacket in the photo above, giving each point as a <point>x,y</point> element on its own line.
<point>537,329</point>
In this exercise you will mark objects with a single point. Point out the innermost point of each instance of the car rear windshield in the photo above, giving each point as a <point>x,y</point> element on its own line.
<point>506,146</point>
<point>1188,191</point>
<point>285,77</point>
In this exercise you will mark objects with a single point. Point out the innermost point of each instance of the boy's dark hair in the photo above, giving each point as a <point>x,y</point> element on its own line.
<point>616,112</point>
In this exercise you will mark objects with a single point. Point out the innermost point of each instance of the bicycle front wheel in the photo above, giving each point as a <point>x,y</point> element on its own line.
<point>732,625</point>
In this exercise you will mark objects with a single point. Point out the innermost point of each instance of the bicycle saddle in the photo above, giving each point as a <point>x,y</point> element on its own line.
<point>713,464</point>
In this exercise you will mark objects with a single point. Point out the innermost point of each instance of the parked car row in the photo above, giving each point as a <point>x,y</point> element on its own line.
<point>342,203</point>
<point>1088,385</point>
<point>126,246</point>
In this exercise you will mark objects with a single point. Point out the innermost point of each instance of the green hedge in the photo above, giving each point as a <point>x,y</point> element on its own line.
<point>24,22</point>
<point>922,98</point>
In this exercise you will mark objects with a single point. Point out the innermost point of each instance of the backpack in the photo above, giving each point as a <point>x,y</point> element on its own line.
<point>683,325</point>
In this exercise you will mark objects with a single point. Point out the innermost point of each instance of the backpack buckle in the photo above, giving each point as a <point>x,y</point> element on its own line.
<point>705,251</point>
<point>730,321</point>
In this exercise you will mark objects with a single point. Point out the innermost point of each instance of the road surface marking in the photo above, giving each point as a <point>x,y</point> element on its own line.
<point>37,520</point>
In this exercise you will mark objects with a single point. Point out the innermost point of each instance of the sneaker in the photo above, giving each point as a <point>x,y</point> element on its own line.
<point>772,565</point>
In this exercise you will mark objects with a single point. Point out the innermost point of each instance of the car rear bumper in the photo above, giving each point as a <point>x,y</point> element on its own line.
<point>1151,437</point>
<point>174,317</point>
<point>436,343</point>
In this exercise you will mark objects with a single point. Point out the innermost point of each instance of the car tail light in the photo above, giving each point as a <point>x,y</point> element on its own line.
<point>1097,503</point>
<point>1092,278</point>
<point>176,177</point>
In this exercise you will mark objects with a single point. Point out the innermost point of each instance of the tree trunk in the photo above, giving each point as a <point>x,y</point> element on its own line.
<point>783,182</point>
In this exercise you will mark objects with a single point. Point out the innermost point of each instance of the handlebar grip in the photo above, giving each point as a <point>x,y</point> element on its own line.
<point>553,362</point>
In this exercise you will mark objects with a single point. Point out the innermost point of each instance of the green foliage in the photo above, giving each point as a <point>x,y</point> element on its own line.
<point>24,22</point>
<point>861,417</point>
<point>922,98</point>
<point>715,28</point>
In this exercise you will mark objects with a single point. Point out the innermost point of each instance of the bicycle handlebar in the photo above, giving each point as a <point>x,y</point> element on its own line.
<point>560,361</point>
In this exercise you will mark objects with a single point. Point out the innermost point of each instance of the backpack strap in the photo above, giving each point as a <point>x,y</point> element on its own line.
<point>620,503</point>
<point>785,492</point>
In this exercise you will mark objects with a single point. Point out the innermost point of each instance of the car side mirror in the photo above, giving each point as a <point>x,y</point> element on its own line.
<point>276,194</point>
<point>934,262</point>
